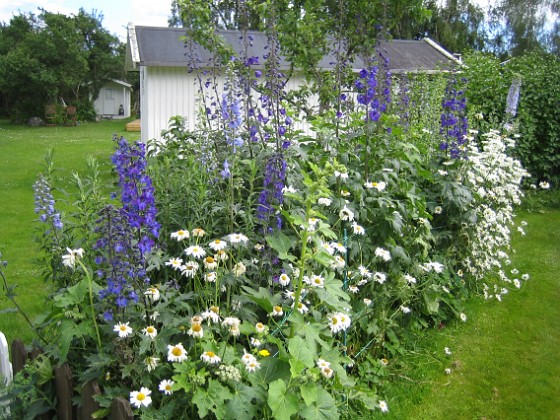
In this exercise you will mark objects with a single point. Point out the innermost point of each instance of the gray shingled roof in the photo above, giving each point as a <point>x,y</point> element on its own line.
<point>158,46</point>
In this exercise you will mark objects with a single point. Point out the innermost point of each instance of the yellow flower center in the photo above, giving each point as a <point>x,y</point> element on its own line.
<point>180,232</point>
<point>196,328</point>
<point>123,327</point>
<point>277,308</point>
<point>210,354</point>
<point>215,309</point>
<point>168,387</point>
<point>260,325</point>
<point>140,396</point>
<point>150,330</point>
<point>209,260</point>
<point>177,351</point>
<point>334,320</point>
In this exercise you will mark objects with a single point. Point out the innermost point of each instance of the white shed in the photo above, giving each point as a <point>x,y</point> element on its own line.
<point>113,100</point>
<point>168,88</point>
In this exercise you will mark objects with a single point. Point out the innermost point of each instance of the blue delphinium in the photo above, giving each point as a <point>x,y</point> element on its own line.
<point>272,194</point>
<point>454,123</point>
<point>137,192</point>
<point>44,203</point>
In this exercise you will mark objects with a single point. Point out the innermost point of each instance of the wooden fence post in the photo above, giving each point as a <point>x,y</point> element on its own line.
<point>19,356</point>
<point>121,410</point>
<point>64,386</point>
<point>89,405</point>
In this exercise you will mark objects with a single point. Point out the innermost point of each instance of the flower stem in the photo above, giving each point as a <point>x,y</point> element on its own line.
<point>93,317</point>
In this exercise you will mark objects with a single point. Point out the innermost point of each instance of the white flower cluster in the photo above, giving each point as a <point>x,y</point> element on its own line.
<point>496,179</point>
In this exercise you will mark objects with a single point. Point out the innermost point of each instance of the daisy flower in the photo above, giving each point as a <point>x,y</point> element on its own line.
<point>410,279</point>
<point>277,311</point>
<point>380,277</point>
<point>152,293</point>
<point>166,386</point>
<point>197,319</point>
<point>367,301</point>
<point>346,214</point>
<point>260,327</point>
<point>284,279</point>
<point>141,398</point>
<point>211,277</point>
<point>123,329</point>
<point>235,331</point>
<point>289,189</point>
<point>447,351</point>
<point>353,289</point>
<point>239,269</point>
<point>324,201</point>
<point>438,210</point>
<point>210,357</point>
<point>196,331</point>
<point>463,317</point>
<point>217,245</point>
<point>150,331</point>
<point>210,263</point>
<point>339,247</point>
<point>327,372</point>
<point>323,364</point>
<point>383,406</point>
<point>405,309</point>
<point>383,254</point>
<point>175,263</point>
<point>255,342</point>
<point>525,277</point>
<point>317,281</point>
<point>247,358</point>
<point>213,314</point>
<point>302,308</point>
<point>238,238</point>
<point>198,232</point>
<point>189,269</point>
<point>384,362</point>
<point>364,272</point>
<point>358,230</point>
<point>176,353</point>
<point>516,283</point>
<point>180,235</point>
<point>151,362</point>
<point>338,322</point>
<point>221,255</point>
<point>344,193</point>
<point>258,247</point>
<point>195,251</point>
<point>252,366</point>
<point>338,262</point>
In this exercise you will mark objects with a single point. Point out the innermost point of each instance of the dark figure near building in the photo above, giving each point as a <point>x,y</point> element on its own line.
<point>121,110</point>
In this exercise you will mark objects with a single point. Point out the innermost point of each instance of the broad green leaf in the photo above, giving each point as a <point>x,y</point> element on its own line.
<point>296,367</point>
<point>309,392</point>
<point>212,399</point>
<point>323,409</point>
<point>245,402</point>
<point>282,402</point>
<point>299,349</point>
<point>272,369</point>
<point>281,244</point>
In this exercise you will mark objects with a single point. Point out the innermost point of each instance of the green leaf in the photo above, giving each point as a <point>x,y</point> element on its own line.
<point>296,367</point>
<point>282,403</point>
<point>281,244</point>
<point>272,369</point>
<point>262,297</point>
<point>212,399</point>
<point>309,392</point>
<point>299,349</point>
<point>244,402</point>
<point>323,409</point>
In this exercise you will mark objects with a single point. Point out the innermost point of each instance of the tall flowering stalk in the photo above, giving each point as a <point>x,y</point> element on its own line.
<point>454,124</point>
<point>44,204</point>
<point>127,234</point>
<point>272,194</point>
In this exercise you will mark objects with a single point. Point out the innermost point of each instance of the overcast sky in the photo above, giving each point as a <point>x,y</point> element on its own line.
<point>117,13</point>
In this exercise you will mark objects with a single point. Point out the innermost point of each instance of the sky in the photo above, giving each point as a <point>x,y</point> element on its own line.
<point>117,13</point>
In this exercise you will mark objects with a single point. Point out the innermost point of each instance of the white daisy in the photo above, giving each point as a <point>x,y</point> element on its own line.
<point>69,260</point>
<point>410,279</point>
<point>324,201</point>
<point>195,251</point>
<point>405,309</point>
<point>383,406</point>
<point>302,308</point>
<point>463,317</point>
<point>189,269</point>
<point>180,235</point>
<point>141,398</point>
<point>447,351</point>
<point>383,254</point>
<point>247,357</point>
<point>217,245</point>
<point>353,289</point>
<point>317,281</point>
<point>358,230</point>
<point>213,314</point>
<point>210,263</point>
<point>277,311</point>
<point>166,386</point>
<point>367,301</point>
<point>151,362</point>
<point>123,329</point>
<point>327,372</point>
<point>260,327</point>
<point>175,263</point>
<point>238,238</point>
<point>284,279</point>
<point>176,353</point>
<point>210,357</point>
<point>198,232</point>
<point>255,342</point>
<point>152,293</point>
<point>516,283</point>
<point>221,255</point>
<point>252,366</point>
<point>525,277</point>
<point>323,364</point>
<point>346,214</point>
<point>211,277</point>
<point>239,269</point>
<point>196,331</point>
<point>150,331</point>
<point>380,277</point>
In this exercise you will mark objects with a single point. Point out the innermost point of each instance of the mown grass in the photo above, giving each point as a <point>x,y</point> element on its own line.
<point>505,361</point>
<point>22,152</point>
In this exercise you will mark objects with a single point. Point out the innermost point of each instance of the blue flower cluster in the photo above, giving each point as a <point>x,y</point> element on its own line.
<point>454,124</point>
<point>120,263</point>
<point>272,193</point>
<point>44,203</point>
<point>137,192</point>
<point>367,96</point>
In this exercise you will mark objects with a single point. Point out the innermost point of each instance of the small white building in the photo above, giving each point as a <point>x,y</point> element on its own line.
<point>113,100</point>
<point>170,69</point>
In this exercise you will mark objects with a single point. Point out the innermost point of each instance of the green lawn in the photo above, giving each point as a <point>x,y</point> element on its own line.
<point>505,361</point>
<point>22,152</point>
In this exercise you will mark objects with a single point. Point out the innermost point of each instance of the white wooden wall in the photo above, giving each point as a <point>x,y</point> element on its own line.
<point>170,91</point>
<point>5,365</point>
